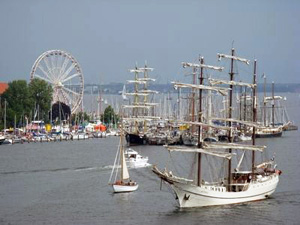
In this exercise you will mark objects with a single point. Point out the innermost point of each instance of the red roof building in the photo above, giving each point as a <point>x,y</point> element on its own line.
<point>3,87</point>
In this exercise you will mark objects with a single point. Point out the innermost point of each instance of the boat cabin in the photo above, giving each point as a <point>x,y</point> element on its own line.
<point>240,180</point>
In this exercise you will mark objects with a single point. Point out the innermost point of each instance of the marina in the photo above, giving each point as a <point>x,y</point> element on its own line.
<point>149,112</point>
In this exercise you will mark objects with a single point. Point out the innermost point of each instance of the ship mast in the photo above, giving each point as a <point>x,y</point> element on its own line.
<point>200,120</point>
<point>193,99</point>
<point>254,116</point>
<point>230,116</point>
<point>146,96</point>
<point>273,106</point>
<point>201,78</point>
<point>136,98</point>
<point>265,116</point>
<point>231,73</point>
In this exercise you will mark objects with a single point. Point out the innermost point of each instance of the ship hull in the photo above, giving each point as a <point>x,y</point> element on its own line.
<point>269,132</point>
<point>124,188</point>
<point>135,139</point>
<point>269,135</point>
<point>189,195</point>
<point>2,139</point>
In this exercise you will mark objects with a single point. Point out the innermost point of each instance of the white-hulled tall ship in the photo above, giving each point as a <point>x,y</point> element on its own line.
<point>241,184</point>
<point>270,129</point>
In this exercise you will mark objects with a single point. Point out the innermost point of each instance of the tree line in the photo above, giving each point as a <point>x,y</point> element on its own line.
<point>24,102</point>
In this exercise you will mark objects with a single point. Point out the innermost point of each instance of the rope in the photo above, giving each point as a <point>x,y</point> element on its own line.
<point>117,158</point>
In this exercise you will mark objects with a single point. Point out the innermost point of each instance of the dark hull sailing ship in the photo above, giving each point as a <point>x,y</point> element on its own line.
<point>136,139</point>
<point>238,185</point>
<point>137,126</point>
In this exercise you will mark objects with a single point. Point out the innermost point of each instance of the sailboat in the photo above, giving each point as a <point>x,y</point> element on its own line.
<point>271,129</point>
<point>240,185</point>
<point>122,181</point>
<point>123,93</point>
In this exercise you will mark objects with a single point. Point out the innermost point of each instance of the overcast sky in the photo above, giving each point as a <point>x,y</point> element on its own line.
<point>108,37</point>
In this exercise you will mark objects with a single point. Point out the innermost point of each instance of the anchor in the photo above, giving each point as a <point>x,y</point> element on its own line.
<point>186,197</point>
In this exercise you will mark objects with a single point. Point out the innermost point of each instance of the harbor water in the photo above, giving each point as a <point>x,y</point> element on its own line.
<point>67,183</point>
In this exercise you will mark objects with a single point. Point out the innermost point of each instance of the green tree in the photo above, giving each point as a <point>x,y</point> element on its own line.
<point>80,117</point>
<point>109,116</point>
<point>41,94</point>
<point>21,101</point>
<point>18,101</point>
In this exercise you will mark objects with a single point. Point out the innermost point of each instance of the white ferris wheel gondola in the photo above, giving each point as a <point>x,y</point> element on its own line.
<point>62,71</point>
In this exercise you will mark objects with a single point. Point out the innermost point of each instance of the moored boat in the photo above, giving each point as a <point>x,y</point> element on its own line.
<point>2,139</point>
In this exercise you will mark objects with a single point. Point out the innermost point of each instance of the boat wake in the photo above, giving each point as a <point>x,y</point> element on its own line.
<point>76,169</point>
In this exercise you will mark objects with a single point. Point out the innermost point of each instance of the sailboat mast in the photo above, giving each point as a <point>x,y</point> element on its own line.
<point>199,120</point>
<point>146,96</point>
<point>230,116</point>
<point>273,105</point>
<point>121,153</point>
<point>265,116</point>
<point>5,116</point>
<point>254,116</point>
<point>136,99</point>
<point>193,99</point>
<point>241,94</point>
<point>245,104</point>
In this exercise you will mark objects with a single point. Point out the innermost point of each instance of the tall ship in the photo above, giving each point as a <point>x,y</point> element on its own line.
<point>270,128</point>
<point>233,179</point>
<point>138,114</point>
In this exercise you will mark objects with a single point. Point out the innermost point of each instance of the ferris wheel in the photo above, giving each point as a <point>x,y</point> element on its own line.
<point>62,71</point>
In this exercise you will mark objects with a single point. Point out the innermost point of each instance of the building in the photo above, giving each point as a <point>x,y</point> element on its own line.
<point>3,87</point>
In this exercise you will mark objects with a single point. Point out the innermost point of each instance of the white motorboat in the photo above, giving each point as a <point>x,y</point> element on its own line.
<point>135,160</point>
<point>80,136</point>
<point>244,137</point>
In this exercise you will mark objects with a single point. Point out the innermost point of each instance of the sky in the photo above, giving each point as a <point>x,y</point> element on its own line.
<point>108,37</point>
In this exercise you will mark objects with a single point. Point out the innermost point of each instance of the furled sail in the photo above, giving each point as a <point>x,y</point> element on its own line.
<point>137,81</point>
<point>220,56</point>
<point>185,64</point>
<point>222,91</point>
<point>216,81</point>
<point>266,99</point>
<point>200,150</point>
<point>148,91</point>
<point>137,93</point>
<point>145,69</point>
<point>234,146</point>
<point>140,70</point>
<point>136,71</point>
<point>146,79</point>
